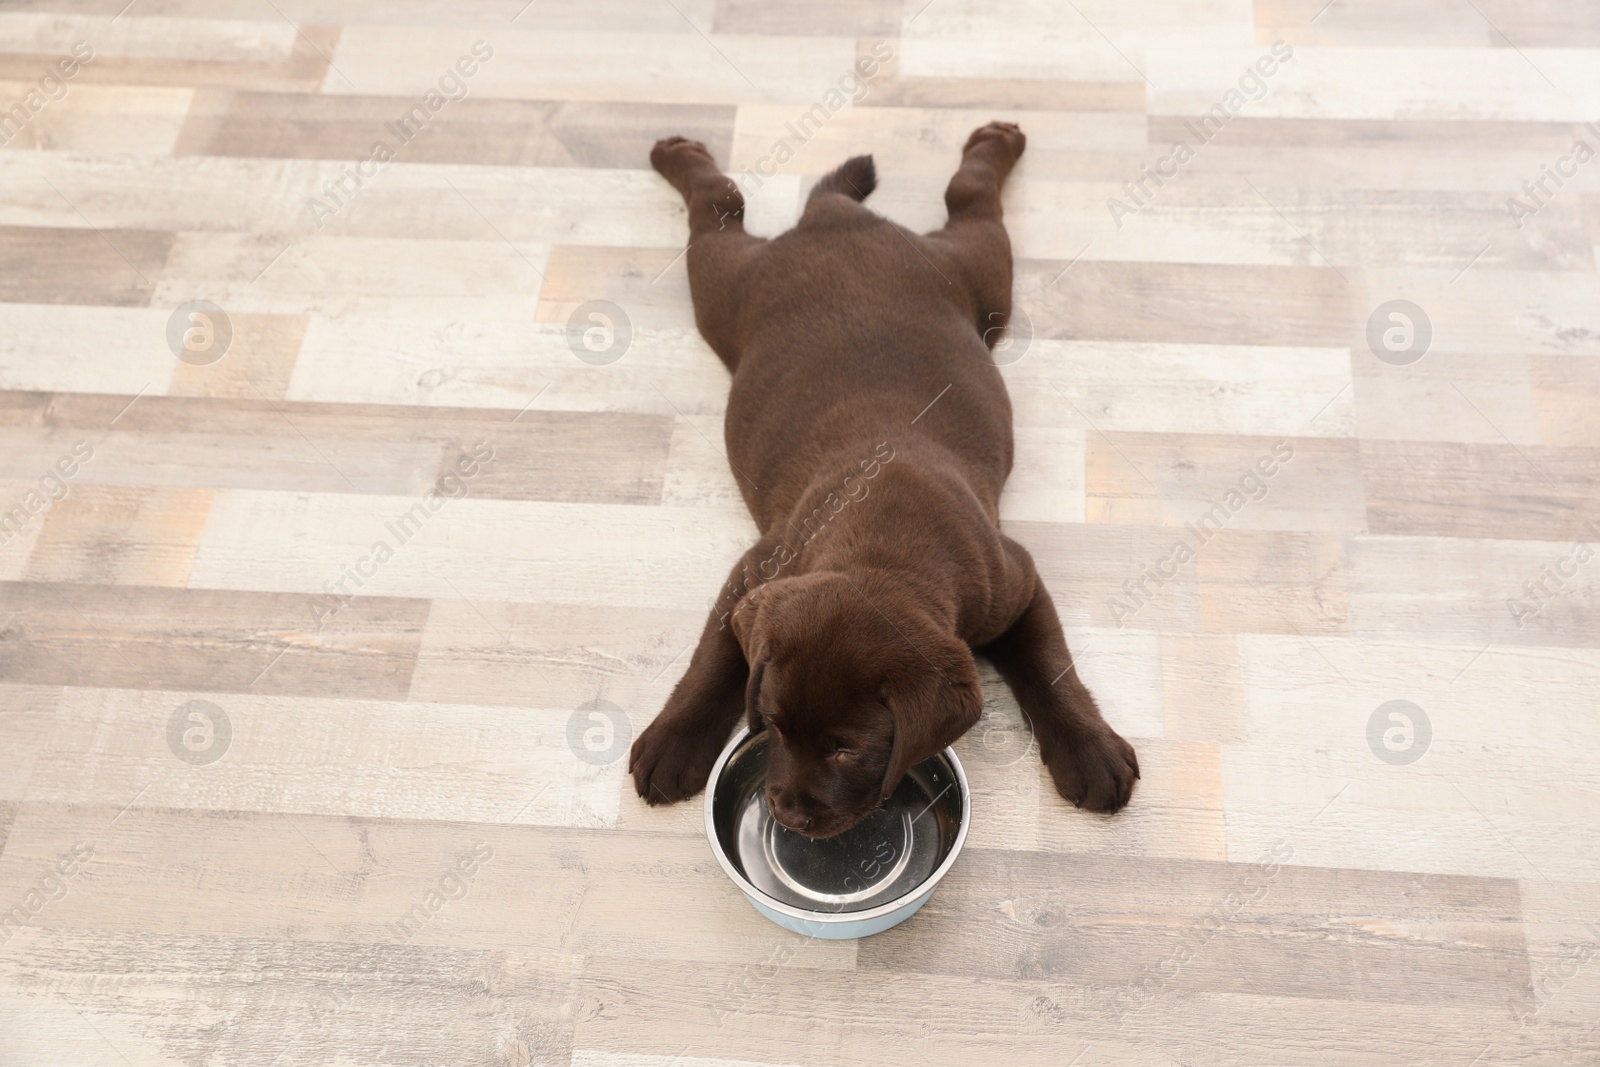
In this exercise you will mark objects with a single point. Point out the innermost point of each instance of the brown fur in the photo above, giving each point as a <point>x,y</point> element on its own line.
<point>849,628</point>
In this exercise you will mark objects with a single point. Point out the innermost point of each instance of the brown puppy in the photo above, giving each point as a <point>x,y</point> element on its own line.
<point>870,433</point>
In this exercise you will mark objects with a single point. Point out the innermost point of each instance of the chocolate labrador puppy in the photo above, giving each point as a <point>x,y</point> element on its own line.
<point>870,432</point>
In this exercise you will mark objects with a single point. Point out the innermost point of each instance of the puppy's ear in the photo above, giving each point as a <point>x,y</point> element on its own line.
<point>747,625</point>
<point>752,690</point>
<point>751,630</point>
<point>931,706</point>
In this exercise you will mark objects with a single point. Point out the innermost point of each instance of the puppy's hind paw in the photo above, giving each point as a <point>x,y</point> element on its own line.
<point>672,156</point>
<point>1005,139</point>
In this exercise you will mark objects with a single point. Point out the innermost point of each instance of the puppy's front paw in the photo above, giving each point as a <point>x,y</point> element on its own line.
<point>668,764</point>
<point>1095,773</point>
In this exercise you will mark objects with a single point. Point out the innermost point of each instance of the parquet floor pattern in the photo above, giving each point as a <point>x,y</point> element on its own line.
<point>345,540</point>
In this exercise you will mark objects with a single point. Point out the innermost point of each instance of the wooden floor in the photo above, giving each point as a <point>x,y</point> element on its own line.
<point>319,644</point>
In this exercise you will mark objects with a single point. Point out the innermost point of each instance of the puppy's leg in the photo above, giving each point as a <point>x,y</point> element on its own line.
<point>720,253</point>
<point>974,240</point>
<point>672,759</point>
<point>987,158</point>
<point>1092,766</point>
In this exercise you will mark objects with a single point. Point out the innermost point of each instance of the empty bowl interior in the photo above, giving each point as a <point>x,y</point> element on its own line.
<point>888,855</point>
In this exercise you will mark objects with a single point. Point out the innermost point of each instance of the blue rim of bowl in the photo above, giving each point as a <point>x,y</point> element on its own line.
<point>831,917</point>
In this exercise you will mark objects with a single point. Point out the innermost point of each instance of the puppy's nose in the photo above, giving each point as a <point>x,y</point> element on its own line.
<point>787,814</point>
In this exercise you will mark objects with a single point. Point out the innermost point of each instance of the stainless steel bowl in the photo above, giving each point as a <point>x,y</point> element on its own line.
<point>867,879</point>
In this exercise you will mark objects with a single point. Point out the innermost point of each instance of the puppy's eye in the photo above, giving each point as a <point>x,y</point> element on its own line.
<point>842,753</point>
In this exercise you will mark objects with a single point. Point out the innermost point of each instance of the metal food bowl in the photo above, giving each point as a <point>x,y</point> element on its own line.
<point>869,878</point>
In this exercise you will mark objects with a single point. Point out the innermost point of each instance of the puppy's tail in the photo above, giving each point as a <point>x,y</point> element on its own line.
<point>856,177</point>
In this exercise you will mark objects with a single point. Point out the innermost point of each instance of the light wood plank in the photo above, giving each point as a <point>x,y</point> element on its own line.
<point>1497,768</point>
<point>1503,593</point>
<point>296,542</point>
<point>1185,303</point>
<point>585,65</point>
<point>1234,481</point>
<point>328,275</point>
<point>1042,40</point>
<point>1482,490</point>
<point>1114,385</point>
<point>27,721</point>
<point>122,350</point>
<point>113,535</point>
<point>235,40</point>
<point>80,266</point>
<point>97,118</point>
<point>1500,84</point>
<point>394,759</point>
<point>497,132</point>
<point>269,198</point>
<point>150,637</point>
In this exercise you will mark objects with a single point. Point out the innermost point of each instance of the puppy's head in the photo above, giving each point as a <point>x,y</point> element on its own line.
<point>852,692</point>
